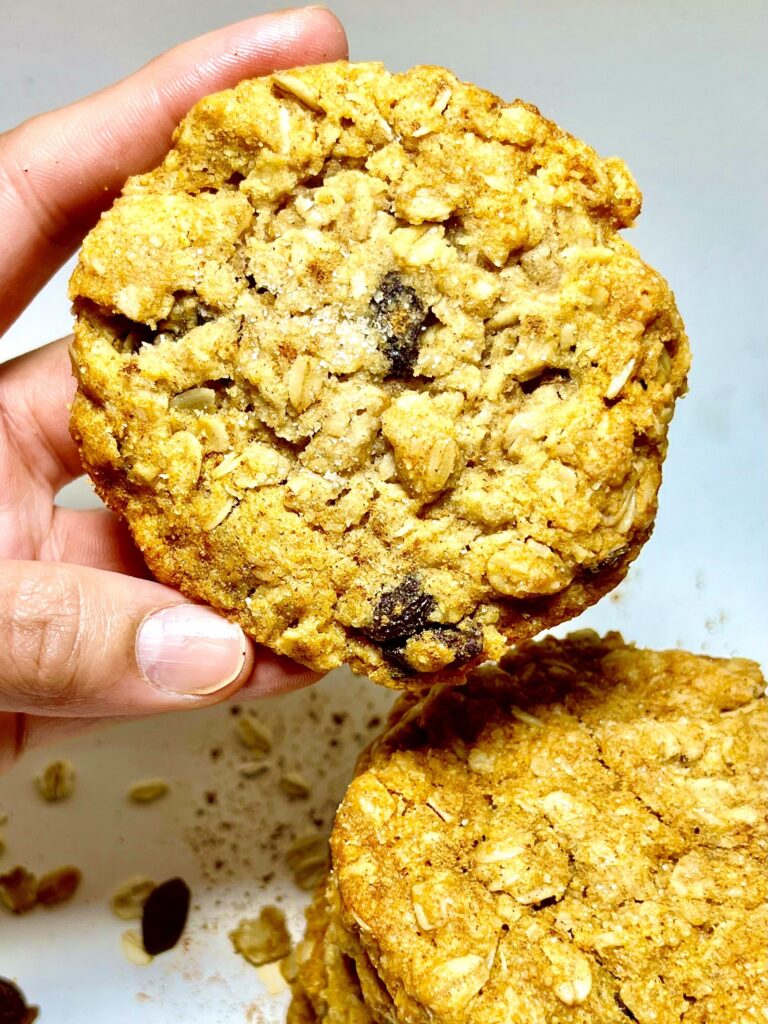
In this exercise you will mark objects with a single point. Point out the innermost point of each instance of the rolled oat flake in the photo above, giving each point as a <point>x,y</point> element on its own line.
<point>164,916</point>
<point>13,1006</point>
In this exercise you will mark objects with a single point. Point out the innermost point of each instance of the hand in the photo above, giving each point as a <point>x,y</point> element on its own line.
<point>85,635</point>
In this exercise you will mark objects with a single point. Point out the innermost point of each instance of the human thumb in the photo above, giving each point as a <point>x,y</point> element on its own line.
<point>77,641</point>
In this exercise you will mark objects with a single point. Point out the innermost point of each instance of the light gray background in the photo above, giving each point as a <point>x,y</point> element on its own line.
<point>677,88</point>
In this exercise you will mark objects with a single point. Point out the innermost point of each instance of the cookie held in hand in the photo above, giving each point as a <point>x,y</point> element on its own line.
<point>366,365</point>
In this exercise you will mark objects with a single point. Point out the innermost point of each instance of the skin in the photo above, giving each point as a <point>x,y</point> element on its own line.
<point>73,588</point>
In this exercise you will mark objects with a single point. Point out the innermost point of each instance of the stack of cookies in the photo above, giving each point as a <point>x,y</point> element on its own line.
<point>576,836</point>
<point>366,365</point>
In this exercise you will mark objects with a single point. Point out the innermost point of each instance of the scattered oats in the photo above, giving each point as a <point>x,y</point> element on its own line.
<point>57,781</point>
<point>295,785</point>
<point>133,949</point>
<point>18,890</point>
<point>252,769</point>
<point>254,735</point>
<point>299,848</point>
<point>128,900</point>
<point>148,791</point>
<point>58,886</point>
<point>307,857</point>
<point>264,939</point>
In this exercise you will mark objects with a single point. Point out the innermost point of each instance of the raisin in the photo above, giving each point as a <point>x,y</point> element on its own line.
<point>164,916</point>
<point>465,645</point>
<point>13,1006</point>
<point>398,314</point>
<point>401,612</point>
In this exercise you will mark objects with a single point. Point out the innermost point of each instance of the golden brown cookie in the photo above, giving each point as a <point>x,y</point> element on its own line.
<point>366,364</point>
<point>576,837</point>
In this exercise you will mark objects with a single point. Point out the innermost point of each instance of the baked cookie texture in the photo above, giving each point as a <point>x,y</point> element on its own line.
<point>576,836</point>
<point>366,364</point>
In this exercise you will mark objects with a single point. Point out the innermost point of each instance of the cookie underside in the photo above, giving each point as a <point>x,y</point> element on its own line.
<point>366,365</point>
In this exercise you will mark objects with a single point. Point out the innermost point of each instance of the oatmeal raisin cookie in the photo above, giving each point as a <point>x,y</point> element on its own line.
<point>367,365</point>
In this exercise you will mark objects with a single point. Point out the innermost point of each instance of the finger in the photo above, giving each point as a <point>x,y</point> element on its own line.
<point>272,675</point>
<point>35,392</point>
<point>93,537</point>
<point>83,642</point>
<point>60,169</point>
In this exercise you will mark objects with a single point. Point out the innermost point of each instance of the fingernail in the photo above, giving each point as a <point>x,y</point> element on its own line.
<point>189,649</point>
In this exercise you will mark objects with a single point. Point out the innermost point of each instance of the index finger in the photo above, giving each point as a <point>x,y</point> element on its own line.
<point>60,169</point>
